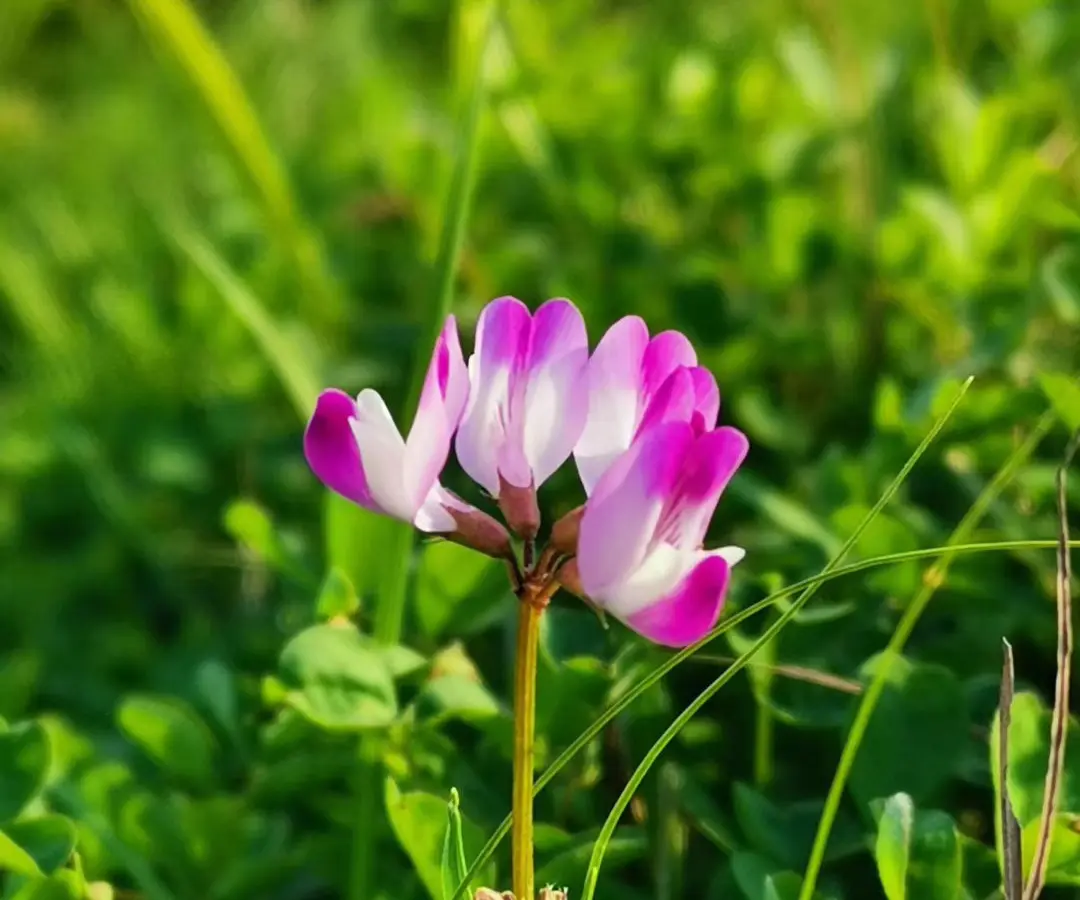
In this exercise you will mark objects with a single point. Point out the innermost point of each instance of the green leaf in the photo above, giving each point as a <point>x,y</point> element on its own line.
<point>337,597</point>
<point>457,697</point>
<point>449,576</point>
<point>419,822</point>
<point>1063,392</point>
<point>338,679</point>
<point>568,864</point>
<point>49,839</point>
<point>917,736</point>
<point>454,867</point>
<point>171,733</point>
<point>918,853</point>
<point>893,846</point>
<point>65,885</point>
<point>936,861</point>
<point>250,525</point>
<point>216,686</point>
<point>14,858</point>
<point>786,833</point>
<point>759,879</point>
<point>24,765</point>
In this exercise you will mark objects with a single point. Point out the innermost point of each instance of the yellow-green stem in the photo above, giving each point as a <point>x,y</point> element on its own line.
<point>528,639</point>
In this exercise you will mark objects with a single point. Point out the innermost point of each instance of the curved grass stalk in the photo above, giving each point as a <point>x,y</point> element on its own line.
<point>626,700</point>
<point>612,821</point>
<point>933,579</point>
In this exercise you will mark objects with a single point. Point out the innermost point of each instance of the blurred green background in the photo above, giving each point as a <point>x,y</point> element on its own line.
<point>849,207</point>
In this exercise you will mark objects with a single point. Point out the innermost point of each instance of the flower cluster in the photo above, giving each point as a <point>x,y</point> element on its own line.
<point>639,417</point>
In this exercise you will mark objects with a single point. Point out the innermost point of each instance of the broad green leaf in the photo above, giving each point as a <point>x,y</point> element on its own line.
<point>457,697</point>
<point>1064,863</point>
<point>759,879</point>
<point>785,833</point>
<point>251,526</point>
<point>337,597</point>
<point>936,862</point>
<point>24,765</point>
<point>893,846</point>
<point>49,839</point>
<point>448,577</point>
<point>1063,392</point>
<point>64,885</point>
<point>216,686</point>
<point>918,853</point>
<point>14,858</point>
<point>568,864</point>
<point>338,678</point>
<point>419,823</point>
<point>916,738</point>
<point>171,733</point>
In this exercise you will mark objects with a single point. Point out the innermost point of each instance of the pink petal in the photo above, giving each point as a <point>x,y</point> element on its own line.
<point>688,613</point>
<point>615,392</point>
<point>617,527</point>
<point>332,451</point>
<point>666,352</point>
<point>709,466</point>
<point>442,402</point>
<point>706,398</point>
<point>674,401</point>
<point>556,397</point>
<point>502,335</point>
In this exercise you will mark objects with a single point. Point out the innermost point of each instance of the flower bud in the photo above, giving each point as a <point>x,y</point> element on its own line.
<point>489,894</point>
<point>550,893</point>
<point>519,508</point>
<point>564,533</point>
<point>478,530</point>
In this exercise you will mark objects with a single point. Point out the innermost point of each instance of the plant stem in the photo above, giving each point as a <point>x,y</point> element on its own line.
<point>528,635</point>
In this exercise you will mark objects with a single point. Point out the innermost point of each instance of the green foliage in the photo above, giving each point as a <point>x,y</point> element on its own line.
<point>338,678</point>
<point>224,683</point>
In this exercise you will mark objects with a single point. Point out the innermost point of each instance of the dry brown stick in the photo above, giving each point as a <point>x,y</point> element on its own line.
<point>1059,726</point>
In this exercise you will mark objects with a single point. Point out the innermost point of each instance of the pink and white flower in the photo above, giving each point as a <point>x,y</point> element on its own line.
<point>356,450</point>
<point>639,549</point>
<point>526,407</point>
<point>634,383</point>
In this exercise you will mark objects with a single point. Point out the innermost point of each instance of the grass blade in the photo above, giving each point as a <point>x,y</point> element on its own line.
<point>299,381</point>
<point>770,633</point>
<point>1013,885</point>
<point>174,26</point>
<point>627,699</point>
<point>389,614</point>
<point>933,579</point>
<point>1059,725</point>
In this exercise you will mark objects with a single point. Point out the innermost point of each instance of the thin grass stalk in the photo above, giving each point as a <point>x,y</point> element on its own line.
<point>626,700</point>
<point>608,829</point>
<point>932,580</point>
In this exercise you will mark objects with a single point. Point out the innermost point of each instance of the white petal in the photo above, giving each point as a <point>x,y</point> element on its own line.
<point>615,388</point>
<point>383,453</point>
<point>556,396</point>
<point>659,574</point>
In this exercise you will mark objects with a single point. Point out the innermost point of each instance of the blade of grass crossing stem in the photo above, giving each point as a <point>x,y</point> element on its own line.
<point>1060,721</point>
<point>627,699</point>
<point>390,612</point>
<point>608,829</point>
<point>288,363</point>
<point>458,203</point>
<point>1012,851</point>
<point>175,27</point>
<point>932,580</point>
